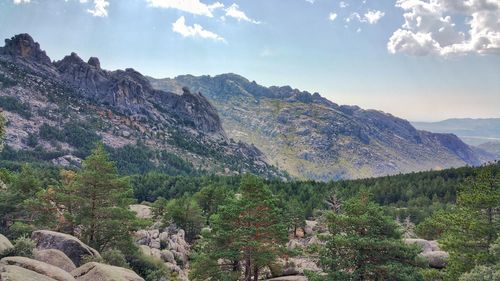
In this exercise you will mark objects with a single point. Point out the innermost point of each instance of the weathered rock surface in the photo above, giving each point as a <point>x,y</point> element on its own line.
<point>431,252</point>
<point>17,273</point>
<point>142,211</point>
<point>436,259</point>
<point>94,271</point>
<point>39,267</point>
<point>55,258</point>
<point>69,245</point>
<point>4,244</point>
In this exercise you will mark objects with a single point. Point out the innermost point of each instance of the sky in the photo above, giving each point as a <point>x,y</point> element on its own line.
<point>423,60</point>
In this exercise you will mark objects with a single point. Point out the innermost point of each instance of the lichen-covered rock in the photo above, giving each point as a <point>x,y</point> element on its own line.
<point>436,259</point>
<point>293,244</point>
<point>94,271</point>
<point>4,244</point>
<point>167,256</point>
<point>55,258</point>
<point>69,245</point>
<point>142,211</point>
<point>17,273</point>
<point>145,250</point>
<point>39,267</point>
<point>425,245</point>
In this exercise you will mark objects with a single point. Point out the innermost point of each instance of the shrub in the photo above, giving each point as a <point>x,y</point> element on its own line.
<point>115,257</point>
<point>20,229</point>
<point>12,104</point>
<point>23,247</point>
<point>149,268</point>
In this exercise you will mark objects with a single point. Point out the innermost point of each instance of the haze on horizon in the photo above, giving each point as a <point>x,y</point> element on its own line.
<point>416,59</point>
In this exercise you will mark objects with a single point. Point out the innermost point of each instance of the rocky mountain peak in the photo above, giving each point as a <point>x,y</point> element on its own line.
<point>93,61</point>
<point>23,46</point>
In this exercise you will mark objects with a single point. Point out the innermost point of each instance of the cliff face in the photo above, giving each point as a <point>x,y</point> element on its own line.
<point>312,137</point>
<point>123,103</point>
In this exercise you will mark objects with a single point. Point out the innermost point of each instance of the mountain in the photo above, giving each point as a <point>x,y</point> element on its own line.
<point>58,110</point>
<point>311,137</point>
<point>491,147</point>
<point>472,131</point>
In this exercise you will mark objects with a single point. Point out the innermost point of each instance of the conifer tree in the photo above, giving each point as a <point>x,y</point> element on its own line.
<point>247,233</point>
<point>103,198</point>
<point>366,245</point>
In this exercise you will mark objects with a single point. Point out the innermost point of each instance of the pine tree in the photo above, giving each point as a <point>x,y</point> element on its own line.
<point>468,231</point>
<point>295,215</point>
<point>186,214</point>
<point>366,245</point>
<point>103,198</point>
<point>248,233</point>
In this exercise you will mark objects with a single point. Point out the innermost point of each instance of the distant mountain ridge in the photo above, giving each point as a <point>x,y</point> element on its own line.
<point>472,131</point>
<point>48,103</point>
<point>311,137</point>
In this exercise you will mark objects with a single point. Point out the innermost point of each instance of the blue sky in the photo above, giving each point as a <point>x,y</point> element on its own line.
<point>418,59</point>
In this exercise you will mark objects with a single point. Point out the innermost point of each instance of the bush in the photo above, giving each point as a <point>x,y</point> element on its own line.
<point>115,257</point>
<point>149,268</point>
<point>19,229</point>
<point>23,247</point>
<point>12,104</point>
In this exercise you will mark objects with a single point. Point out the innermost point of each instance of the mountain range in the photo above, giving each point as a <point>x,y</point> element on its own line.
<point>471,131</point>
<point>311,137</point>
<point>59,106</point>
<point>223,124</point>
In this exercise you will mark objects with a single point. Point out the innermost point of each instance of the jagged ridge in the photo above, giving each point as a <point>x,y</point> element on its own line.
<point>312,137</point>
<point>126,106</point>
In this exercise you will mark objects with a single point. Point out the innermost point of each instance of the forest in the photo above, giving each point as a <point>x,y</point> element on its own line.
<point>239,226</point>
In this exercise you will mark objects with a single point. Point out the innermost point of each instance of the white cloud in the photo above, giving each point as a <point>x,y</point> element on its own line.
<point>332,16</point>
<point>429,27</point>
<point>234,11</point>
<point>190,6</point>
<point>311,1</point>
<point>100,8</point>
<point>194,31</point>
<point>371,17</point>
<point>343,5</point>
<point>17,2</point>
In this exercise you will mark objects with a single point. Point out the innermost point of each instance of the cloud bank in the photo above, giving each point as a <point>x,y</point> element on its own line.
<point>430,28</point>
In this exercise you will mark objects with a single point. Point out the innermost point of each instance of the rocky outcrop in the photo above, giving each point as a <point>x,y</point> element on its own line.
<point>431,252</point>
<point>39,267</point>
<point>168,245</point>
<point>128,108</point>
<point>24,47</point>
<point>94,271</point>
<point>4,244</point>
<point>436,259</point>
<point>56,258</point>
<point>69,245</point>
<point>142,211</point>
<point>17,273</point>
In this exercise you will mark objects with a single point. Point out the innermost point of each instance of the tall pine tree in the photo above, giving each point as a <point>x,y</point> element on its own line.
<point>103,198</point>
<point>247,233</point>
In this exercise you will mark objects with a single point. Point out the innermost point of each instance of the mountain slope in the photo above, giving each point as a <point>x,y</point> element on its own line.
<point>63,107</point>
<point>472,131</point>
<point>312,137</point>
